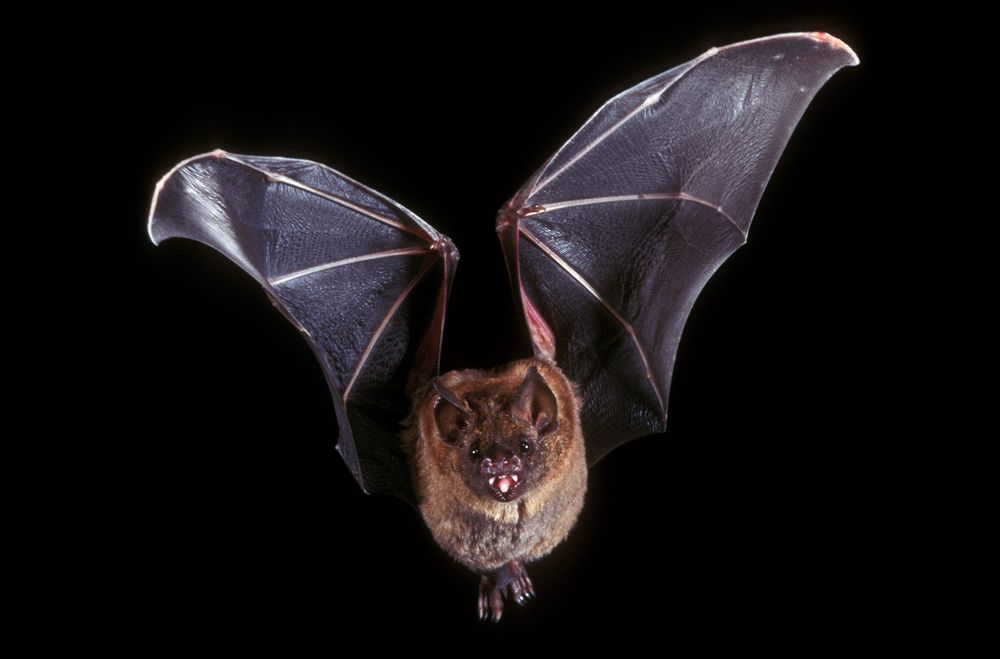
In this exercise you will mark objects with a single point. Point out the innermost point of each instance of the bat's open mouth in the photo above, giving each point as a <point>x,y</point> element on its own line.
<point>505,487</point>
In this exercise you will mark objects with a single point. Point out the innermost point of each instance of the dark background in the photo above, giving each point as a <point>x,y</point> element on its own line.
<point>181,491</point>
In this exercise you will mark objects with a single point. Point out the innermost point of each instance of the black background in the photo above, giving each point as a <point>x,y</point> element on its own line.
<point>181,491</point>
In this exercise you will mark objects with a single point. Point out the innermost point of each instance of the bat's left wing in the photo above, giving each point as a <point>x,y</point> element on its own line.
<point>610,242</point>
<point>365,280</point>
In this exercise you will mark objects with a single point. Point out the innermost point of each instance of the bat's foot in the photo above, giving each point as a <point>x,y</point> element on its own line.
<point>511,581</point>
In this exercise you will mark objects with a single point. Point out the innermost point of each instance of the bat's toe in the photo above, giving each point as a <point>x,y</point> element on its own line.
<point>490,599</point>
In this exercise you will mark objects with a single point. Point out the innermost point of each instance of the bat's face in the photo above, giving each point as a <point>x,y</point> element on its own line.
<point>499,437</point>
<point>493,454</point>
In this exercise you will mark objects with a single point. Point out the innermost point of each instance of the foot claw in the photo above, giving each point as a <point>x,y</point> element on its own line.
<point>490,599</point>
<point>521,588</point>
<point>511,581</point>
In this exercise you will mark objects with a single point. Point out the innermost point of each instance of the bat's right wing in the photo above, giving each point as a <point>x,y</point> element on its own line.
<point>610,242</point>
<point>365,280</point>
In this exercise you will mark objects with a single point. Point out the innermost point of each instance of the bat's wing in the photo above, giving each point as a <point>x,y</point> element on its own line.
<point>610,242</point>
<point>365,281</point>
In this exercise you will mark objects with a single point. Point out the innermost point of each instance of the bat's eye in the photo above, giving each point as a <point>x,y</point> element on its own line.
<point>525,447</point>
<point>474,453</point>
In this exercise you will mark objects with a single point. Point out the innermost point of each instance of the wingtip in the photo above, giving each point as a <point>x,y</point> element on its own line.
<point>828,38</point>
<point>822,37</point>
<point>219,154</point>
<point>152,209</point>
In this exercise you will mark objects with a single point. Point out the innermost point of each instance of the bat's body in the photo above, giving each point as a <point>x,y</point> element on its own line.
<point>607,247</point>
<point>503,490</point>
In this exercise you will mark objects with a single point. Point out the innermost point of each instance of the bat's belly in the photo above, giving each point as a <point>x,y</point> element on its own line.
<point>519,531</point>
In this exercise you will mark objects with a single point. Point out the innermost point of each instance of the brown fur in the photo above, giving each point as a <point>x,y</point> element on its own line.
<point>478,531</point>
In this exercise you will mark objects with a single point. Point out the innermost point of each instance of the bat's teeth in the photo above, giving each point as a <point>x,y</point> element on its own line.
<point>493,480</point>
<point>514,476</point>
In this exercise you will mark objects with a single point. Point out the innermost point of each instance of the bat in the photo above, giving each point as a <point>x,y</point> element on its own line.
<point>607,247</point>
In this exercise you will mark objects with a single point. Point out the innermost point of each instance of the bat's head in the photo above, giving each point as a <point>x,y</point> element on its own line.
<point>502,435</point>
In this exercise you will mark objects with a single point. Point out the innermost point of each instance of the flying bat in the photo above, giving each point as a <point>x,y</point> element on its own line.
<point>607,247</point>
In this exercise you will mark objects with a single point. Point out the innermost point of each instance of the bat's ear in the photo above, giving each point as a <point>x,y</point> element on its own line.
<point>536,405</point>
<point>451,414</point>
